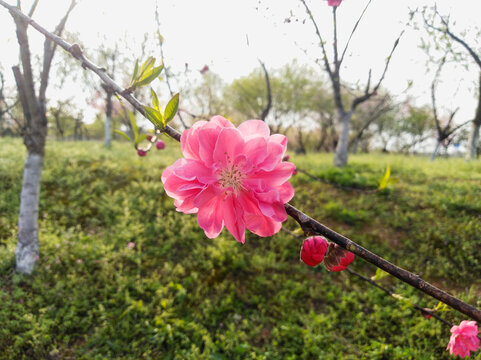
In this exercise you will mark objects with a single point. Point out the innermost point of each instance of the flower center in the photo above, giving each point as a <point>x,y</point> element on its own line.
<point>231,177</point>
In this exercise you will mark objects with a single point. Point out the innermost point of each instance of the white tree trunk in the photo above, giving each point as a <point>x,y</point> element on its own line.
<point>108,131</point>
<point>340,158</point>
<point>473,142</point>
<point>436,149</point>
<point>27,247</point>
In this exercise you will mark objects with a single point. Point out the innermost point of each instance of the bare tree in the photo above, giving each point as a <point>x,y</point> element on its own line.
<point>444,28</point>
<point>34,109</point>
<point>443,132</point>
<point>344,114</point>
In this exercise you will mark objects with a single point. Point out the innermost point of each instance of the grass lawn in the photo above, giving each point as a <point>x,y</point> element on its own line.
<point>179,295</point>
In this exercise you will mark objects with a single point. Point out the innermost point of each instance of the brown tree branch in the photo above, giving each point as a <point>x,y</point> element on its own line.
<point>308,224</point>
<point>353,31</point>
<point>266,110</point>
<point>456,38</point>
<point>312,227</point>
<point>367,93</point>
<point>321,41</point>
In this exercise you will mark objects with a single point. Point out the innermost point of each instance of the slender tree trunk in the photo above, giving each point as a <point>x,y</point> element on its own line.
<point>108,120</point>
<point>436,149</point>
<point>26,252</point>
<point>340,158</point>
<point>474,140</point>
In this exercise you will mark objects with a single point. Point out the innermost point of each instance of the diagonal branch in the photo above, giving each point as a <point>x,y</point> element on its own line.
<point>321,41</point>
<point>367,93</point>
<point>311,226</point>
<point>308,224</point>
<point>266,110</point>
<point>456,38</point>
<point>353,31</point>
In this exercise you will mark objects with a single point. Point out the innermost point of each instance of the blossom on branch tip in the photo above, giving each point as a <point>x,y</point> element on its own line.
<point>160,145</point>
<point>337,258</point>
<point>464,338</point>
<point>232,177</point>
<point>334,2</point>
<point>313,250</point>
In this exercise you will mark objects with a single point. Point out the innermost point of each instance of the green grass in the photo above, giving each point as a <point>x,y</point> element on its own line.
<point>180,295</point>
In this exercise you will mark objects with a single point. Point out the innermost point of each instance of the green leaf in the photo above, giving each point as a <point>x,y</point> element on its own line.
<point>380,274</point>
<point>133,124</point>
<point>385,179</point>
<point>155,99</point>
<point>147,65</point>
<point>154,116</point>
<point>123,134</point>
<point>149,76</point>
<point>141,138</point>
<point>171,108</point>
<point>136,70</point>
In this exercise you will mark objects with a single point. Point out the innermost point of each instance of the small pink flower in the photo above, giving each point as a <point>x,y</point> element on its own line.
<point>130,245</point>
<point>313,250</point>
<point>337,259</point>
<point>160,145</point>
<point>232,177</point>
<point>79,261</point>
<point>141,152</point>
<point>204,69</point>
<point>334,2</point>
<point>149,137</point>
<point>464,338</point>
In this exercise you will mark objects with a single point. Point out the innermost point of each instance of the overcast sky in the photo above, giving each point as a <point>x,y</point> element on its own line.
<point>213,32</point>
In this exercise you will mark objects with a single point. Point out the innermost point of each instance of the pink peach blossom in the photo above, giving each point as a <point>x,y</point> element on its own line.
<point>313,250</point>
<point>232,177</point>
<point>464,338</point>
<point>334,2</point>
<point>337,259</point>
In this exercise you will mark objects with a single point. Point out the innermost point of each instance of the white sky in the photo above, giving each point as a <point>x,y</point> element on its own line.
<point>213,32</point>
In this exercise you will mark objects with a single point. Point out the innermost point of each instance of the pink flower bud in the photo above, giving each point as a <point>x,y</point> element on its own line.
<point>337,259</point>
<point>464,338</point>
<point>141,152</point>
<point>286,158</point>
<point>130,245</point>
<point>313,250</point>
<point>204,69</point>
<point>160,145</point>
<point>294,172</point>
<point>149,137</point>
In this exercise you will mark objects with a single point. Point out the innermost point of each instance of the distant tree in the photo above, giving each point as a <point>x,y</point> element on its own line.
<point>35,131</point>
<point>444,130</point>
<point>437,24</point>
<point>344,114</point>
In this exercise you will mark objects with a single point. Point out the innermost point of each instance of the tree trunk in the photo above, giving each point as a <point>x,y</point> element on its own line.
<point>108,120</point>
<point>436,149</point>
<point>26,252</point>
<point>340,158</point>
<point>473,142</point>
